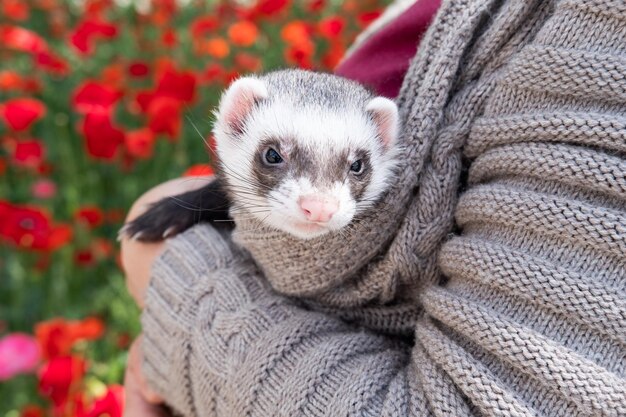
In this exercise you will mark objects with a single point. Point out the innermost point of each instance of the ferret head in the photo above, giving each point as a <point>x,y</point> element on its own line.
<point>304,152</point>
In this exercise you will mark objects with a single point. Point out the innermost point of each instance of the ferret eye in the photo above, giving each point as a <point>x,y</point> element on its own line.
<point>273,157</point>
<point>357,167</point>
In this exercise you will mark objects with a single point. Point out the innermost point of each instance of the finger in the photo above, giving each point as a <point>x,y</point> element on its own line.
<point>135,405</point>
<point>135,360</point>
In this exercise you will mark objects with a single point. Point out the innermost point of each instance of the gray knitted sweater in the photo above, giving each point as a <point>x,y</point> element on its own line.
<point>510,223</point>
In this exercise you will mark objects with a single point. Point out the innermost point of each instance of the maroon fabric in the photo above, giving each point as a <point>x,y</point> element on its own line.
<point>381,62</point>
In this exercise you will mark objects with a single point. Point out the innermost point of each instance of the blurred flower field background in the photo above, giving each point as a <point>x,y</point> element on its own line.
<point>99,101</point>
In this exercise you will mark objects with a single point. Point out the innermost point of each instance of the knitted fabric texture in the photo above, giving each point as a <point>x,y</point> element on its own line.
<point>518,107</point>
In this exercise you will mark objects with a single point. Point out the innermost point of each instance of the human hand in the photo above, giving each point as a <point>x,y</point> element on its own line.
<point>138,257</point>
<point>140,400</point>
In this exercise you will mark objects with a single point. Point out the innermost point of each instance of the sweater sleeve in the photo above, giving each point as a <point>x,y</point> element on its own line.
<point>218,341</point>
<point>531,319</point>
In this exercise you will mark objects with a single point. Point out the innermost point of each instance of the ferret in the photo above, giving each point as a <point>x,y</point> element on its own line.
<point>302,152</point>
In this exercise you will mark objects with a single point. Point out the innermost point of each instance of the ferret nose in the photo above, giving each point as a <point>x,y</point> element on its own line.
<point>318,208</point>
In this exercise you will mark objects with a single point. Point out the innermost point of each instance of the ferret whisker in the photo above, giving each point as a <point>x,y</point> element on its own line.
<point>245,194</point>
<point>199,178</point>
<point>247,186</point>
<point>252,228</point>
<point>254,210</point>
<point>261,223</point>
<point>184,204</point>
<point>252,214</point>
<point>248,207</point>
<point>256,184</point>
<point>247,191</point>
<point>244,179</point>
<point>209,148</point>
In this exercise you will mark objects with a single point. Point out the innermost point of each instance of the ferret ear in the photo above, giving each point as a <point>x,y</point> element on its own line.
<point>385,115</point>
<point>238,100</point>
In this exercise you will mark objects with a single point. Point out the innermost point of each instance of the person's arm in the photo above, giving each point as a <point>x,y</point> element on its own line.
<point>216,336</point>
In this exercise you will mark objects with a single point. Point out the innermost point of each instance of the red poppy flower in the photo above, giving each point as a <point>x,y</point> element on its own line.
<point>333,56</point>
<point>84,257</point>
<point>248,62</point>
<point>102,248</point>
<point>111,404</point>
<point>163,64</point>
<point>51,63</point>
<point>271,7</point>
<point>296,32</point>
<point>88,31</point>
<point>143,100</point>
<point>98,250</point>
<point>45,168</point>
<point>231,76</point>
<point>169,38</point>
<point>139,143</point>
<point>31,228</point>
<point>366,18</point>
<point>10,80</point>
<point>266,8</point>
<point>28,153</point>
<point>102,138</point>
<point>58,379</point>
<point>164,116</point>
<point>331,27</point>
<point>18,38</point>
<point>199,170</point>
<point>56,337</point>
<point>138,69</point>
<point>216,47</point>
<point>163,107</point>
<point>243,33</point>
<point>94,96</point>
<point>32,411</point>
<point>20,113</point>
<point>90,215</point>
<point>203,25</point>
<point>163,11</point>
<point>113,75</point>
<point>179,85</point>
<point>300,55</point>
<point>32,85</point>
<point>15,9</point>
<point>315,5</point>
<point>212,73</point>
<point>97,7</point>
<point>297,35</point>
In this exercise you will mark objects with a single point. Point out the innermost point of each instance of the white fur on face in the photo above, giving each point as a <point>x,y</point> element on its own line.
<point>325,134</point>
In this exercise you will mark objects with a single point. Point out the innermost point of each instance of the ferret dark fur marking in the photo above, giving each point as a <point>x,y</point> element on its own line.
<point>302,152</point>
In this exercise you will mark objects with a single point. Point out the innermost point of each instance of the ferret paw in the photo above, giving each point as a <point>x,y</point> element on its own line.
<point>162,220</point>
<point>136,231</point>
